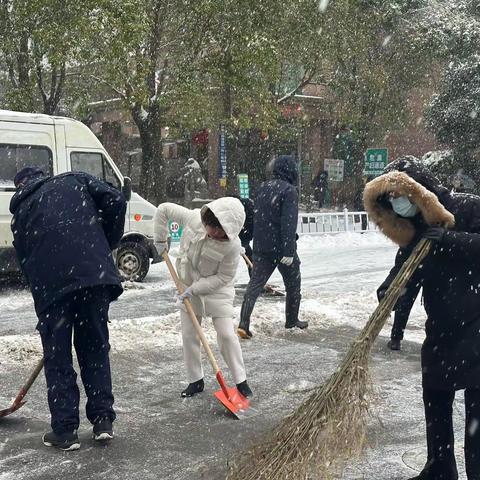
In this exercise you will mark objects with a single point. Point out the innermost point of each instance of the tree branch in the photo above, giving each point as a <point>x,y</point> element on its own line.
<point>99,80</point>
<point>59,90</point>
<point>38,69</point>
<point>305,80</point>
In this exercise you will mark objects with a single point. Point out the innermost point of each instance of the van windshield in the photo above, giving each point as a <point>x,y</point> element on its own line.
<point>15,157</point>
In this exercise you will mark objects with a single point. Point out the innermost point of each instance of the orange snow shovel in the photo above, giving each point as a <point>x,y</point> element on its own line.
<point>231,398</point>
<point>18,402</point>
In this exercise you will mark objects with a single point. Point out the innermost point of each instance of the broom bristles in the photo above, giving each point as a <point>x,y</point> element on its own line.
<point>328,428</point>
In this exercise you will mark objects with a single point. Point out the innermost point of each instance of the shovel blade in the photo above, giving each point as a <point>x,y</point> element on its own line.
<point>236,403</point>
<point>11,409</point>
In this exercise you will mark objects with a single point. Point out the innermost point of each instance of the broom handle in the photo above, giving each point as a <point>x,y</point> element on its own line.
<point>196,324</point>
<point>247,261</point>
<point>374,325</point>
<point>369,332</point>
<point>398,284</point>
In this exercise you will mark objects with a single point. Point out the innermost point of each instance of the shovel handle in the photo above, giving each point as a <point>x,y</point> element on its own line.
<point>247,261</point>
<point>194,319</point>
<point>34,375</point>
<point>23,391</point>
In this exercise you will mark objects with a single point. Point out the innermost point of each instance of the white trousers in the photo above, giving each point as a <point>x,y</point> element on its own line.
<point>228,343</point>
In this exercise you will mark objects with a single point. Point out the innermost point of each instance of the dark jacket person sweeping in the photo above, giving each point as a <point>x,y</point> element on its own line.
<point>64,229</point>
<point>275,243</point>
<point>408,202</point>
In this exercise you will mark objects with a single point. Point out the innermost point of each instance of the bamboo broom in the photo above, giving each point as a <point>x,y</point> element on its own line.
<point>316,440</point>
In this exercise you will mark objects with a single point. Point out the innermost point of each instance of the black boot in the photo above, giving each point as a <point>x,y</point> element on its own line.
<point>425,476</point>
<point>243,330</point>
<point>292,306</point>
<point>193,388</point>
<point>438,471</point>
<point>244,389</point>
<point>298,324</point>
<point>394,344</point>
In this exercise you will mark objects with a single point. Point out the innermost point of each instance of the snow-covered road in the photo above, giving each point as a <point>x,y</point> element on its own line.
<point>340,274</point>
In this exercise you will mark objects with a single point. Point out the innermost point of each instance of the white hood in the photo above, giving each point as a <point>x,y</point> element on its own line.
<point>230,214</point>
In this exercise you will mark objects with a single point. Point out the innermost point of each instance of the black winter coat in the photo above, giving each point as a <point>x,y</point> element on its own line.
<point>450,276</point>
<point>276,211</point>
<point>64,229</point>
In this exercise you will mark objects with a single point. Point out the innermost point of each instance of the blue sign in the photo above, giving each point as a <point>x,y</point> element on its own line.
<point>222,153</point>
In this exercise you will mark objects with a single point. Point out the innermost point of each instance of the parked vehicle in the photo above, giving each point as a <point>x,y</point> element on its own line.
<point>58,145</point>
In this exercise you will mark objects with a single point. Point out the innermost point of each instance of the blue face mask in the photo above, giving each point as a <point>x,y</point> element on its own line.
<point>404,207</point>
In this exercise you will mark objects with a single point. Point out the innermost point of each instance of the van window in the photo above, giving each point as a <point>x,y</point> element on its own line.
<point>15,157</point>
<point>95,164</point>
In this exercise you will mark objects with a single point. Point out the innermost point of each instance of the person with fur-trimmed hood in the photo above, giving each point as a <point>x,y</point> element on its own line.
<point>408,203</point>
<point>207,264</point>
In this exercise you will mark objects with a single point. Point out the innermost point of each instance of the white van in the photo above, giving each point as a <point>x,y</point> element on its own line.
<point>58,145</point>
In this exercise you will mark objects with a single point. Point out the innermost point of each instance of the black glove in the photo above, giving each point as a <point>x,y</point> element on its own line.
<point>435,234</point>
<point>381,293</point>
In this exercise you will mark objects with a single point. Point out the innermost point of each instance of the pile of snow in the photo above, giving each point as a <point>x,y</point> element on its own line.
<point>308,242</point>
<point>340,276</point>
<point>25,349</point>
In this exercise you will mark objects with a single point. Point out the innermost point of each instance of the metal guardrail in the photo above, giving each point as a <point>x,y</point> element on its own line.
<point>334,222</point>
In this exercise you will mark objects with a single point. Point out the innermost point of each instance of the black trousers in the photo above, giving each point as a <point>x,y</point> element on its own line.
<point>263,267</point>
<point>400,321</point>
<point>85,314</point>
<point>441,463</point>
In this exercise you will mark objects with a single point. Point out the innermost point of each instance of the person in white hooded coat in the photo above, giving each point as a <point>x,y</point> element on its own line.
<point>207,263</point>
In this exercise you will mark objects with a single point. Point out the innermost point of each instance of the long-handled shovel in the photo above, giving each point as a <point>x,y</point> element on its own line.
<point>267,288</point>
<point>18,402</point>
<point>231,398</point>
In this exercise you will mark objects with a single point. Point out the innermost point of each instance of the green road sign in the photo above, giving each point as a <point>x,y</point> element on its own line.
<point>175,230</point>
<point>376,160</point>
<point>243,186</point>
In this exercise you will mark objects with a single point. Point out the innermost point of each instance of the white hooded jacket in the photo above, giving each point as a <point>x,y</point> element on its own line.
<point>207,266</point>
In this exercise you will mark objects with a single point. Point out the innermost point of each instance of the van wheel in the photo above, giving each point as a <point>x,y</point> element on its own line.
<point>133,261</point>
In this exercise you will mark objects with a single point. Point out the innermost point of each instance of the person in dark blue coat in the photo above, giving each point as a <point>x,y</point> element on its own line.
<point>275,243</point>
<point>65,228</point>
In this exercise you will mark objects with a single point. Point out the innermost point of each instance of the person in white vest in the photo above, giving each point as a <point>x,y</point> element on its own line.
<point>207,263</point>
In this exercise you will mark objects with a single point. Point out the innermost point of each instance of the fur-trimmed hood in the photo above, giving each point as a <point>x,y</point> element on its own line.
<point>406,177</point>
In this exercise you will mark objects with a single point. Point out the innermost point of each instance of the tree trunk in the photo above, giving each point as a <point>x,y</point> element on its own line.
<point>231,132</point>
<point>152,171</point>
<point>232,161</point>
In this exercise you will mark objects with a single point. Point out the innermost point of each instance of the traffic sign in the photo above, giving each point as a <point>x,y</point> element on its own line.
<point>243,186</point>
<point>335,168</point>
<point>222,153</point>
<point>376,160</point>
<point>175,230</point>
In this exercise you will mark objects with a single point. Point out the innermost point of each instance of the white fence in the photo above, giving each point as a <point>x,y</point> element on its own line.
<point>334,222</point>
